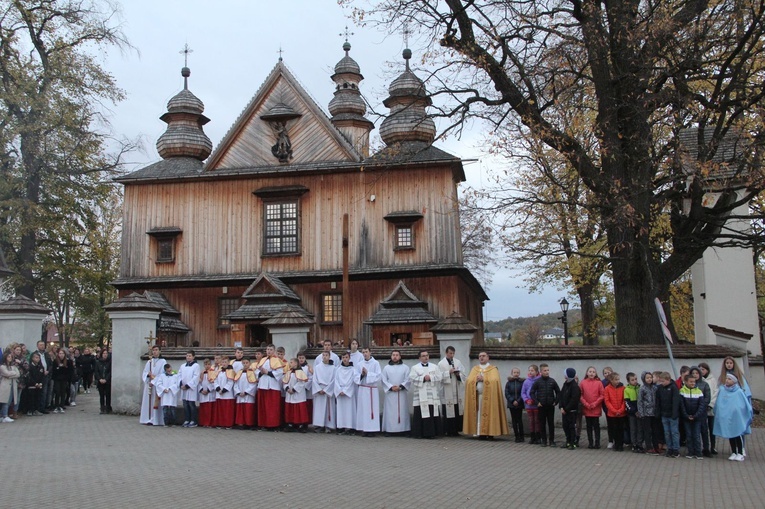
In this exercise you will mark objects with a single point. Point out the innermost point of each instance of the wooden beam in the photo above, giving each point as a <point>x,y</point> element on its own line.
<point>346,301</point>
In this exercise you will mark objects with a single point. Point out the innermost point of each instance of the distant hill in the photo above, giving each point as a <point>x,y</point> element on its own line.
<point>545,321</point>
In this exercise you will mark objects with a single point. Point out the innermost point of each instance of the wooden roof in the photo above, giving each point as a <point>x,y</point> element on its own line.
<point>401,306</point>
<point>314,138</point>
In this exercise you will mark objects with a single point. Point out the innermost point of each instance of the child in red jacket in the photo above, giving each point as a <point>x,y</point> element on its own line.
<point>592,406</point>
<point>616,410</point>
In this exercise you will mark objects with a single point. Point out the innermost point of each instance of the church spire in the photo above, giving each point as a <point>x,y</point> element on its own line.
<point>184,136</point>
<point>347,107</point>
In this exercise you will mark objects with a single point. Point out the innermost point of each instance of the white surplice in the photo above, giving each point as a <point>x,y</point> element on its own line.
<point>396,403</point>
<point>452,387</point>
<point>224,386</point>
<point>425,393</point>
<point>189,375</point>
<point>246,386</point>
<point>323,404</point>
<point>167,387</point>
<point>368,396</point>
<point>206,384</point>
<point>298,386</point>
<point>356,358</point>
<point>153,367</point>
<point>308,370</point>
<point>345,396</point>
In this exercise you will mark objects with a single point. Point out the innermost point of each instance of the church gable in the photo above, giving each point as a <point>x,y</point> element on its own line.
<point>281,125</point>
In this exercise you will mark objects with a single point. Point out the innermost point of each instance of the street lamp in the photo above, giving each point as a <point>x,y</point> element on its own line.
<point>613,334</point>
<point>564,319</point>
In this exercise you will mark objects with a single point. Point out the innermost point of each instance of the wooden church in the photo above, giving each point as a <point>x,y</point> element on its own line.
<point>291,220</point>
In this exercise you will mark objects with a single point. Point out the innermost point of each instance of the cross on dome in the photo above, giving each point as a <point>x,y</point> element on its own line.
<point>186,72</point>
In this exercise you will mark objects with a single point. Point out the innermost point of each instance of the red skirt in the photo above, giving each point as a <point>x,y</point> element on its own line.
<point>245,414</point>
<point>224,412</point>
<point>296,413</point>
<point>269,408</point>
<point>207,414</point>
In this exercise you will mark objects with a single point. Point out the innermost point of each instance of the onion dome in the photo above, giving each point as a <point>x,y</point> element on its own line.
<point>347,64</point>
<point>347,101</point>
<point>407,101</point>
<point>184,136</point>
<point>347,107</point>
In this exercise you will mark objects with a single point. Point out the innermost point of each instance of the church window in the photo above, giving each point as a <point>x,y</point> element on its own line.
<point>165,238</point>
<point>281,225</point>
<point>226,306</point>
<point>166,250</point>
<point>281,219</point>
<point>404,237</point>
<point>403,222</point>
<point>332,308</point>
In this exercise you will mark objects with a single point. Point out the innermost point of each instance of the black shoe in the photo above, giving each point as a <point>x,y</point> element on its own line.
<point>565,446</point>
<point>553,444</point>
<point>706,454</point>
<point>543,444</point>
<point>713,451</point>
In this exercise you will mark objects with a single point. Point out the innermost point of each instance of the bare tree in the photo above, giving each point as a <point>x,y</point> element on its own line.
<point>478,239</point>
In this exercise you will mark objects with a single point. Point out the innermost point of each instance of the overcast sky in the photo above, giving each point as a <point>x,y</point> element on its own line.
<point>235,45</point>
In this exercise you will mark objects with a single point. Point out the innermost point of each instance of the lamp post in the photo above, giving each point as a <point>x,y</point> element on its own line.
<point>613,334</point>
<point>564,319</point>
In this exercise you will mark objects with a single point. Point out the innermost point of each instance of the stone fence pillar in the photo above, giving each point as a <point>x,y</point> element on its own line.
<point>21,321</point>
<point>134,318</point>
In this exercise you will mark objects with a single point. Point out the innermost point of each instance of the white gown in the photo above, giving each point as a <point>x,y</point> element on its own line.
<point>156,367</point>
<point>368,396</point>
<point>396,404</point>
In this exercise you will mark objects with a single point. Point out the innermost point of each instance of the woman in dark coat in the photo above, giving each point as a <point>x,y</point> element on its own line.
<point>104,381</point>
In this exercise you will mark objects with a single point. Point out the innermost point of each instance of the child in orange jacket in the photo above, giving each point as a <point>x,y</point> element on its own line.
<point>616,410</point>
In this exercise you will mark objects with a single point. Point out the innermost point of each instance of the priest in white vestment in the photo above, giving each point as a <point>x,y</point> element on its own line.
<point>345,395</point>
<point>150,411</point>
<point>425,378</point>
<point>453,378</point>
<point>367,379</point>
<point>323,386</point>
<point>395,382</point>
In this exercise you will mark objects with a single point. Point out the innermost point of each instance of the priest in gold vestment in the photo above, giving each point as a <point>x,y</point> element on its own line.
<point>484,415</point>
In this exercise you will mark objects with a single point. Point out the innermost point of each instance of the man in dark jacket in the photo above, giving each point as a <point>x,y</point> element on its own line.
<point>569,406</point>
<point>545,393</point>
<point>668,407</point>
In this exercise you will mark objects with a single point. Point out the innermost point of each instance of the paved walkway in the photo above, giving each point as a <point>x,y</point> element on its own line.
<point>82,459</point>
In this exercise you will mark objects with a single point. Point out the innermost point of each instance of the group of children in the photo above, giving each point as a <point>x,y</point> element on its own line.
<point>225,390</point>
<point>653,416</point>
